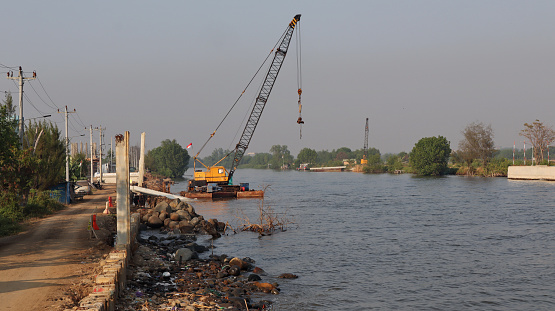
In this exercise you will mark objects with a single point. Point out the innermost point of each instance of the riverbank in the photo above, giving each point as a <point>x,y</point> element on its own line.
<point>166,272</point>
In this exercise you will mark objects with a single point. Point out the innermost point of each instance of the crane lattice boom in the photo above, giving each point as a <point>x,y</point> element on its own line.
<point>263,95</point>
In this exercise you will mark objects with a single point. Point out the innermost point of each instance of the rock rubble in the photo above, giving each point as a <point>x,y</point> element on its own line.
<point>167,274</point>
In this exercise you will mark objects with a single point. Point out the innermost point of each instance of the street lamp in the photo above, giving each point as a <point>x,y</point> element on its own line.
<point>45,116</point>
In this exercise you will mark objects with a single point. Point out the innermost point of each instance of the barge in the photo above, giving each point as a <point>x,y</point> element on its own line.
<point>215,191</point>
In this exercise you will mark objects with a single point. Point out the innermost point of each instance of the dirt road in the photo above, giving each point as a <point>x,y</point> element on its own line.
<point>51,265</point>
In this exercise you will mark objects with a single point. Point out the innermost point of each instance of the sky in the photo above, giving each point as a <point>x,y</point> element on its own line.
<point>173,69</point>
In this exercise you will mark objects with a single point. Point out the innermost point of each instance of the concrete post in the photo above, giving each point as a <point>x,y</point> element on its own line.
<point>100,159</point>
<point>142,161</point>
<point>123,240</point>
<point>91,149</point>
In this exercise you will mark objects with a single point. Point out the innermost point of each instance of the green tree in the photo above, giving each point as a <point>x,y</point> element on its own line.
<point>48,147</point>
<point>324,157</point>
<point>430,156</point>
<point>259,160</point>
<point>477,144</point>
<point>79,166</point>
<point>394,163</point>
<point>374,165</point>
<point>9,141</point>
<point>307,155</point>
<point>343,153</point>
<point>280,156</point>
<point>540,136</point>
<point>217,155</point>
<point>170,159</point>
<point>17,166</point>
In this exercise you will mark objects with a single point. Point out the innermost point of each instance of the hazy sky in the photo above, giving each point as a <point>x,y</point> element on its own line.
<point>173,68</point>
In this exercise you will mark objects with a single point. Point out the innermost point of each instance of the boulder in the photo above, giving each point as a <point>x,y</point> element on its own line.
<point>194,221</point>
<point>163,207</point>
<point>181,206</point>
<point>173,224</point>
<point>191,209</point>
<point>243,265</point>
<point>221,226</point>
<point>146,217</point>
<point>183,214</point>
<point>167,222</point>
<point>187,228</point>
<point>163,215</point>
<point>173,204</point>
<point>234,270</point>
<point>288,276</point>
<point>213,221</point>
<point>264,287</point>
<point>155,222</point>
<point>174,216</point>
<point>184,254</point>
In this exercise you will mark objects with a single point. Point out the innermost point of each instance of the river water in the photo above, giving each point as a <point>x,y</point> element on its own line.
<point>388,242</point>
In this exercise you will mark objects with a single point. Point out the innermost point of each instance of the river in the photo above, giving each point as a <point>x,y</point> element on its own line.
<point>385,242</point>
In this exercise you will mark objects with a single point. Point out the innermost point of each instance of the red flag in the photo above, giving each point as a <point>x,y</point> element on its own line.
<point>189,145</point>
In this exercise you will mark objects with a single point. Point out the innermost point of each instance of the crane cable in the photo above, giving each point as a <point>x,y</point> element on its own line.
<point>299,79</point>
<point>236,101</point>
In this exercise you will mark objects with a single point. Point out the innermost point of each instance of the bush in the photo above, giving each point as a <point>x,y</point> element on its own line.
<point>497,167</point>
<point>39,204</point>
<point>10,208</point>
<point>8,226</point>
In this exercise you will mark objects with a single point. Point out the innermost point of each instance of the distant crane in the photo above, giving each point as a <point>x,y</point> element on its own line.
<point>364,159</point>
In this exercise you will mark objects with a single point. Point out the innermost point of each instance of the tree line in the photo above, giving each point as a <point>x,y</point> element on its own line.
<point>476,155</point>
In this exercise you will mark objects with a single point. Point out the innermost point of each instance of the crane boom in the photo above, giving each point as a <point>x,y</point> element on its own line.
<point>365,156</point>
<point>263,95</point>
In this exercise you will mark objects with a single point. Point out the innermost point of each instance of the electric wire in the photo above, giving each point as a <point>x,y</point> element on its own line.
<point>30,102</point>
<point>32,87</point>
<point>47,93</point>
<point>8,67</point>
<point>80,120</point>
<point>73,127</point>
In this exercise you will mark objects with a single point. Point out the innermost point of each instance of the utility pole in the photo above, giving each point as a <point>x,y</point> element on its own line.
<point>21,81</point>
<point>111,152</point>
<point>100,151</point>
<point>91,149</point>
<point>67,151</point>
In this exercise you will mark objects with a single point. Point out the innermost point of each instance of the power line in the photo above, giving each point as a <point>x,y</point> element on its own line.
<point>80,121</point>
<point>41,97</point>
<point>73,127</point>
<point>8,67</point>
<point>30,102</point>
<point>47,93</point>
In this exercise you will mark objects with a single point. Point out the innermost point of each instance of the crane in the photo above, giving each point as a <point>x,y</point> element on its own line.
<point>218,174</point>
<point>364,159</point>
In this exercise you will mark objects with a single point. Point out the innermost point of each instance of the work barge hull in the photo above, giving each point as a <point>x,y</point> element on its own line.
<point>226,192</point>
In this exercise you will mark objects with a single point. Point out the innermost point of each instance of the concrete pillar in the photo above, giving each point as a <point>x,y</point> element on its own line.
<point>142,161</point>
<point>123,239</point>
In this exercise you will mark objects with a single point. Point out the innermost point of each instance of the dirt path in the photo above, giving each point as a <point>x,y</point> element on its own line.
<point>48,266</point>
